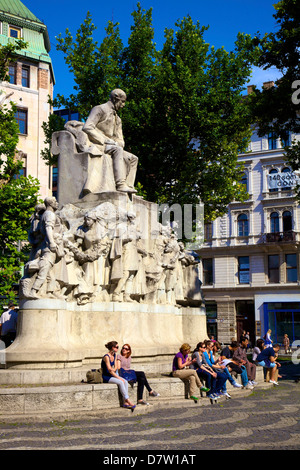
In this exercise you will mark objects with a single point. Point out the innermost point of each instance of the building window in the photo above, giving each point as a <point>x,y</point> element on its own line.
<point>23,170</point>
<point>287,221</point>
<point>243,229</point>
<point>54,181</point>
<point>285,140</point>
<point>208,231</point>
<point>207,265</point>
<point>25,76</point>
<point>12,72</point>
<point>274,219</point>
<point>244,181</point>
<point>291,267</point>
<point>273,268</point>
<point>243,269</point>
<point>21,118</point>
<point>272,140</point>
<point>68,115</point>
<point>14,32</point>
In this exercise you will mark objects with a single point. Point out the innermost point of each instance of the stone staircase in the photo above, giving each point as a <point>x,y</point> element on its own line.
<point>61,401</point>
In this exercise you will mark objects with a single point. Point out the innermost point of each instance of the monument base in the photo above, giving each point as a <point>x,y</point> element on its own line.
<point>54,334</point>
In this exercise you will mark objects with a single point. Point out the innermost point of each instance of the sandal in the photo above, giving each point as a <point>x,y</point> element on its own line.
<point>130,407</point>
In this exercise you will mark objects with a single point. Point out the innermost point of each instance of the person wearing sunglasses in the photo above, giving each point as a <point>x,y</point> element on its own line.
<point>124,360</point>
<point>109,365</point>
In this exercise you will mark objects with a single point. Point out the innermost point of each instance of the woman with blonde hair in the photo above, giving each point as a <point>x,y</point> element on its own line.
<point>267,338</point>
<point>180,369</point>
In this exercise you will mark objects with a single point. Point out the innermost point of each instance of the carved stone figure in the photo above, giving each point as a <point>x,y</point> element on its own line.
<point>102,247</point>
<point>125,244</point>
<point>98,255</point>
<point>35,236</point>
<point>170,262</point>
<point>104,130</point>
<point>90,251</point>
<point>51,253</point>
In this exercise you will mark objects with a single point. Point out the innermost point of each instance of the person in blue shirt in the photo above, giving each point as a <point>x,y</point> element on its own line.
<point>209,359</point>
<point>267,358</point>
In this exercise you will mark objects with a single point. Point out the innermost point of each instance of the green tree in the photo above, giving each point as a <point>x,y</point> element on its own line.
<point>96,68</point>
<point>276,109</point>
<point>18,193</point>
<point>185,118</point>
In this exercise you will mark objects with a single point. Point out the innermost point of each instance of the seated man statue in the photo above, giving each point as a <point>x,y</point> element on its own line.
<point>104,130</point>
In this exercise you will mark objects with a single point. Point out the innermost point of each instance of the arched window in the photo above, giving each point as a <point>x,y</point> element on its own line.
<point>273,181</point>
<point>274,219</point>
<point>287,221</point>
<point>243,229</point>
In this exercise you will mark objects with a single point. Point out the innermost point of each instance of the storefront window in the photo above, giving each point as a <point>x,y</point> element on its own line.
<point>283,318</point>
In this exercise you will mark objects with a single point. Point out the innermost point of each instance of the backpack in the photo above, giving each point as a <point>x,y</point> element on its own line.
<point>94,376</point>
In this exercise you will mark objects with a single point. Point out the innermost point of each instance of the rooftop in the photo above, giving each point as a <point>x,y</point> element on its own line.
<point>18,9</point>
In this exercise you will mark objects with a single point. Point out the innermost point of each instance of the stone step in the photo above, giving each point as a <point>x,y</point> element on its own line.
<point>64,401</point>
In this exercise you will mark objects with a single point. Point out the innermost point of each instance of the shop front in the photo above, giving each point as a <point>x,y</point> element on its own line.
<point>282,318</point>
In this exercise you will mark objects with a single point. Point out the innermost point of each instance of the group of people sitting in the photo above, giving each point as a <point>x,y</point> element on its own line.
<point>212,365</point>
<point>207,368</point>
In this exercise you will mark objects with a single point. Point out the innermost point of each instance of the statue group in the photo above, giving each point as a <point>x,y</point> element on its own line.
<point>95,250</point>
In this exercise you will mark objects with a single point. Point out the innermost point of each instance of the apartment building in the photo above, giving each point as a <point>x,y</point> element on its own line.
<point>31,83</point>
<point>250,260</point>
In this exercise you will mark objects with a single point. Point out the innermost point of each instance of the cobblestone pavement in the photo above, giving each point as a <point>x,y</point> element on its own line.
<point>265,419</point>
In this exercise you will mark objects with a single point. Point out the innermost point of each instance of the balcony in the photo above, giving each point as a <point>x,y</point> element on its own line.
<point>280,237</point>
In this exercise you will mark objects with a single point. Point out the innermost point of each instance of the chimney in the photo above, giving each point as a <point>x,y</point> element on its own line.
<point>250,89</point>
<point>267,85</point>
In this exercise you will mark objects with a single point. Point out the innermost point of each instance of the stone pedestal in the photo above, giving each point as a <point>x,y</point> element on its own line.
<point>65,323</point>
<point>56,334</point>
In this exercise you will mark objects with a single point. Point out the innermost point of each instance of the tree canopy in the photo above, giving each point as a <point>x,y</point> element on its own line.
<point>276,109</point>
<point>184,118</point>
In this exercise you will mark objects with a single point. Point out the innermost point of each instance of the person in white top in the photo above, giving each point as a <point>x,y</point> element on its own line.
<point>8,325</point>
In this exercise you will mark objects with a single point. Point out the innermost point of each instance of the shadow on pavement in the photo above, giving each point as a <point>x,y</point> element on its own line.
<point>289,370</point>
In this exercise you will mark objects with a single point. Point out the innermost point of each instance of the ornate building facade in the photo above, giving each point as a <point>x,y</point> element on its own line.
<point>250,265</point>
<point>31,83</point>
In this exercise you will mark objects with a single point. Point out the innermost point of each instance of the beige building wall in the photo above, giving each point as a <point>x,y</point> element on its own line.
<point>35,101</point>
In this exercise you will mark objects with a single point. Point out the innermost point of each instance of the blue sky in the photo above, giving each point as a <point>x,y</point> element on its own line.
<point>225,19</point>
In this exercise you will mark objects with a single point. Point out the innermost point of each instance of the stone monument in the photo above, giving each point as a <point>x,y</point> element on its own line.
<point>101,266</point>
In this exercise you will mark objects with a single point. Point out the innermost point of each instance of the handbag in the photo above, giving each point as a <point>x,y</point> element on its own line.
<point>94,376</point>
<point>128,375</point>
